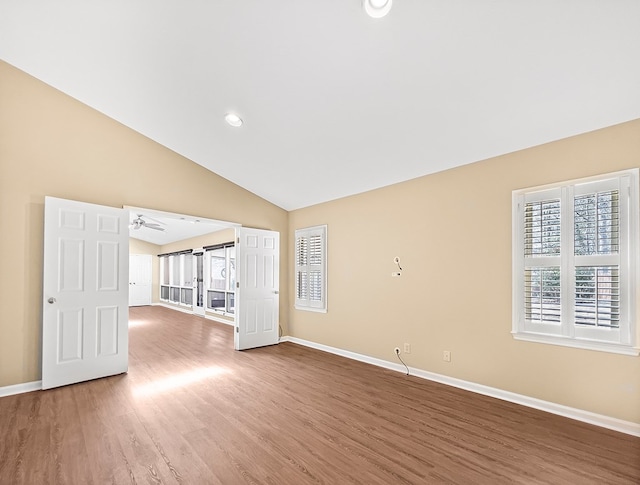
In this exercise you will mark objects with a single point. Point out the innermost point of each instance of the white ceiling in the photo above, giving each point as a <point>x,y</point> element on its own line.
<point>336,102</point>
<point>177,227</point>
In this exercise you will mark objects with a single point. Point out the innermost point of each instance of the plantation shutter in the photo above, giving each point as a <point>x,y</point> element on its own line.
<point>542,300</point>
<point>575,262</point>
<point>302,274</point>
<point>597,253</point>
<point>310,277</point>
<point>542,227</point>
<point>542,270</point>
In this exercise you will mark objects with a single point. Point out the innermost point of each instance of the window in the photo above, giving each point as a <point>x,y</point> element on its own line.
<point>180,275</point>
<point>574,263</point>
<point>221,283</point>
<point>311,269</point>
<point>176,277</point>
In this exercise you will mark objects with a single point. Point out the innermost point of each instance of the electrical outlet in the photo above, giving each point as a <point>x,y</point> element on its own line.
<point>397,350</point>
<point>446,355</point>
<point>407,348</point>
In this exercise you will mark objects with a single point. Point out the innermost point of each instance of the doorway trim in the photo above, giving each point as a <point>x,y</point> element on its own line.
<point>198,283</point>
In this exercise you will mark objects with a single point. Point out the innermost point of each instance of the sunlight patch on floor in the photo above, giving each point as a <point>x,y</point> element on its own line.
<point>178,380</point>
<point>139,323</point>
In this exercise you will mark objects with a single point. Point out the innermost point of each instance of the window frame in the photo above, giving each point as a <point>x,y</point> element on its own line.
<point>307,304</point>
<point>229,289</point>
<point>622,340</point>
<point>171,278</point>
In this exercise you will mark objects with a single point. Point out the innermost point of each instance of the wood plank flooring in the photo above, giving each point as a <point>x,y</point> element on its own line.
<point>193,411</point>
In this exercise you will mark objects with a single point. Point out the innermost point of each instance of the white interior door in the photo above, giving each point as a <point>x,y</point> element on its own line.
<point>140,279</point>
<point>85,314</point>
<point>257,292</point>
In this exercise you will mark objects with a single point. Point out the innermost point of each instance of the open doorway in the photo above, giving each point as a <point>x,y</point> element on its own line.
<point>192,261</point>
<point>85,325</point>
<point>227,272</point>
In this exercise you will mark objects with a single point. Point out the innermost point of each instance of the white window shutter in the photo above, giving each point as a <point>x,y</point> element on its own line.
<point>311,268</point>
<point>542,227</point>
<point>575,248</point>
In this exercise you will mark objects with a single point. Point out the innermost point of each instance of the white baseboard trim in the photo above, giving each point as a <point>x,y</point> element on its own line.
<point>219,320</point>
<point>190,312</point>
<point>171,307</point>
<point>20,388</point>
<point>603,421</point>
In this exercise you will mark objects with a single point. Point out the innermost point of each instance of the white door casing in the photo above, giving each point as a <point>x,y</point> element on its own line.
<point>257,292</point>
<point>85,290</point>
<point>140,279</point>
<point>198,282</point>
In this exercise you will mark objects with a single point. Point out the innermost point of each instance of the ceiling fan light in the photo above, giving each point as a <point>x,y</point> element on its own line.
<point>233,119</point>
<point>377,8</point>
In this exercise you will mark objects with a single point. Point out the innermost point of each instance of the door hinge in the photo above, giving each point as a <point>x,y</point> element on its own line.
<point>237,284</point>
<point>237,329</point>
<point>238,241</point>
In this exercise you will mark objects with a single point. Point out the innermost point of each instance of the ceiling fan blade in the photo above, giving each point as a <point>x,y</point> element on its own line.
<point>156,221</point>
<point>154,227</point>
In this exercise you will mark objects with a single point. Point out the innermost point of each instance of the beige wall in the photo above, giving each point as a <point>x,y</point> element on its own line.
<point>452,232</point>
<point>136,246</point>
<point>53,145</point>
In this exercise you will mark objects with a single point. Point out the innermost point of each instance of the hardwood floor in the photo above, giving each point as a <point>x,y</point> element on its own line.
<point>191,410</point>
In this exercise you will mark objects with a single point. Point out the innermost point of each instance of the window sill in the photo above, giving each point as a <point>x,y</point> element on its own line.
<point>577,344</point>
<point>311,309</point>
<point>220,312</point>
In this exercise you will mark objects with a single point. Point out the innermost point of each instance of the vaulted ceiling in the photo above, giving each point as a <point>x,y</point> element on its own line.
<point>335,102</point>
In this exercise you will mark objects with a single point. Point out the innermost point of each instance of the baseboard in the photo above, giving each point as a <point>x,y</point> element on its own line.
<point>171,307</point>
<point>219,320</point>
<point>20,388</point>
<point>603,421</point>
<point>190,312</point>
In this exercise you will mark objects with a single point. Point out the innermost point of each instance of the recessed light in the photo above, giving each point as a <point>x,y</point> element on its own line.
<point>377,8</point>
<point>233,119</point>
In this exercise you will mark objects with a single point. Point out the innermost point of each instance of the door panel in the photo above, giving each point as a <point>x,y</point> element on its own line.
<point>107,266</point>
<point>85,313</point>
<point>107,331</point>
<point>71,265</point>
<point>70,335</point>
<point>257,305</point>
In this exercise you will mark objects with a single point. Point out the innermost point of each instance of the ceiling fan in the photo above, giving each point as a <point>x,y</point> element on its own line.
<point>139,222</point>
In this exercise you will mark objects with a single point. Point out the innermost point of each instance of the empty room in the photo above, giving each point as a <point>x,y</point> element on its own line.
<point>356,241</point>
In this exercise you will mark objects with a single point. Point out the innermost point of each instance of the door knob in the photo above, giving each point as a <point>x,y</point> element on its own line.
<point>51,300</point>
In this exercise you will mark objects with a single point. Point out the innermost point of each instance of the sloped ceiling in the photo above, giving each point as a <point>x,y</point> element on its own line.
<point>335,102</point>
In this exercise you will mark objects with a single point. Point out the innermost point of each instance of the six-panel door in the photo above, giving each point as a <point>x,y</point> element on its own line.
<point>85,289</point>
<point>257,298</point>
